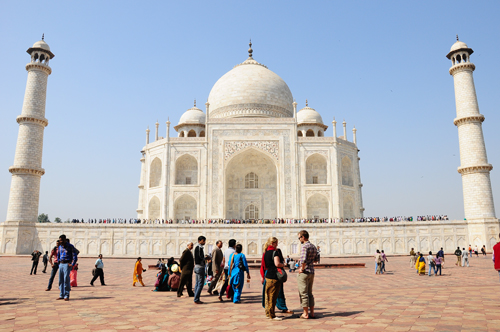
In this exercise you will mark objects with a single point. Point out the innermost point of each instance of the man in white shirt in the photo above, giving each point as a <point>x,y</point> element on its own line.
<point>230,250</point>
<point>465,258</point>
<point>98,271</point>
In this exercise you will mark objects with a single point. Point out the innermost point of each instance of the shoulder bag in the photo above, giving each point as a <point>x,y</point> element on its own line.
<point>280,272</point>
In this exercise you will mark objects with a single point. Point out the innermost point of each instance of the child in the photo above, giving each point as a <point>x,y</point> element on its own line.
<point>175,278</point>
<point>291,265</point>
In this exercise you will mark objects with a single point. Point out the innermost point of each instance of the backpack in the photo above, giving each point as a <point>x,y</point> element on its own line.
<point>280,272</point>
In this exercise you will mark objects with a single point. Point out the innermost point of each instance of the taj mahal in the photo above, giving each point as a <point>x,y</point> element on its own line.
<point>252,154</point>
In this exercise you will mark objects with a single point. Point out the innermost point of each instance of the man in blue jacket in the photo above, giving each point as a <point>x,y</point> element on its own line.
<point>67,258</point>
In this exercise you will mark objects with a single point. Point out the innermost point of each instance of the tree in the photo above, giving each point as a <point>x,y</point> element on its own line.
<point>43,218</point>
<point>57,219</point>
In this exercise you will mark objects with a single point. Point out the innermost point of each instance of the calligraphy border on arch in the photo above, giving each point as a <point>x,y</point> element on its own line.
<point>231,147</point>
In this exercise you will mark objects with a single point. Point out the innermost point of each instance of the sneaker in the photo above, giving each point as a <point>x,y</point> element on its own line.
<point>277,318</point>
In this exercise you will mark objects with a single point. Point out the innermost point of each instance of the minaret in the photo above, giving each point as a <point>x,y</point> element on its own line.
<point>474,167</point>
<point>27,169</point>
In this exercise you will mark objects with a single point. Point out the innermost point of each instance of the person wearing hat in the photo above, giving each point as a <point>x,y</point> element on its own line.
<point>175,278</point>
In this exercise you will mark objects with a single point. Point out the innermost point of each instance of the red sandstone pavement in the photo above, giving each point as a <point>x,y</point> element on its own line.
<point>463,299</point>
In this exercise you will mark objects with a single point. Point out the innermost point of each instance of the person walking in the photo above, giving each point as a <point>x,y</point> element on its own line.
<point>186,265</point>
<point>228,252</point>
<point>483,250</point>
<point>378,262</point>
<point>98,272</point>
<point>476,251</point>
<point>35,258</point>
<point>54,264</point>
<point>138,272</point>
<point>496,256</point>
<point>420,264</point>
<point>308,256</point>
<point>440,254</point>
<point>217,267</point>
<point>199,268</point>
<point>413,257</point>
<point>432,263</point>
<point>67,257</point>
<point>272,263</point>
<point>237,267</point>
<point>45,261</point>
<point>439,262</point>
<point>384,259</point>
<point>458,253</point>
<point>465,258</point>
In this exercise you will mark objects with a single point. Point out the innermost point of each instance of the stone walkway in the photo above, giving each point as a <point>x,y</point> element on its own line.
<point>463,299</point>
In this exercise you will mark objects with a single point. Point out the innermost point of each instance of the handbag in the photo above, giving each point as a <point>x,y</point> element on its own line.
<point>220,282</point>
<point>93,272</point>
<point>280,273</point>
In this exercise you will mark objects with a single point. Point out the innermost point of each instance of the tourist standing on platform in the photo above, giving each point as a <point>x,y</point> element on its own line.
<point>67,258</point>
<point>378,262</point>
<point>496,256</point>
<point>237,267</point>
<point>186,264</point>
<point>35,258</point>
<point>45,261</point>
<point>98,272</point>
<point>384,259</point>
<point>272,262</point>
<point>465,258</point>
<point>458,253</point>
<point>440,254</point>
<point>217,267</point>
<point>138,272</point>
<point>199,268</point>
<point>230,250</point>
<point>308,255</point>
<point>432,263</point>
<point>413,258</point>
<point>54,264</point>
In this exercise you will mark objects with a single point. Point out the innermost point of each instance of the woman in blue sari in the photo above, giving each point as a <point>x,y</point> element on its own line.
<point>237,267</point>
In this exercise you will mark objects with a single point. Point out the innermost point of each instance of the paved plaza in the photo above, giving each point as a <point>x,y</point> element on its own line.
<point>354,299</point>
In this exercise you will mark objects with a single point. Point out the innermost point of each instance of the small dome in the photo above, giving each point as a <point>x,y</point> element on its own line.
<point>193,116</point>
<point>458,45</point>
<point>309,115</point>
<point>41,44</point>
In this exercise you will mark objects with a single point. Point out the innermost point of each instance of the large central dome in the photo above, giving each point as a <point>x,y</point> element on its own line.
<point>250,90</point>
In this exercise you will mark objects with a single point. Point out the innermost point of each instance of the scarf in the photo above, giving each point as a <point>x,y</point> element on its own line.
<point>263,268</point>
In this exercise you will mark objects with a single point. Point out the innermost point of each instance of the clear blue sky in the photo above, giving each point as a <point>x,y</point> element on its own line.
<point>121,65</point>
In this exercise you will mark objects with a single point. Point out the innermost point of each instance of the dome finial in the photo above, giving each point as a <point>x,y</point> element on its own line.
<point>457,37</point>
<point>307,104</point>
<point>43,36</point>
<point>194,102</point>
<point>250,51</point>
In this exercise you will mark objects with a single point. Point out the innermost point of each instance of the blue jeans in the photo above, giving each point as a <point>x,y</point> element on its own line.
<point>437,268</point>
<point>64,286</point>
<point>53,275</point>
<point>200,281</point>
<point>430,270</point>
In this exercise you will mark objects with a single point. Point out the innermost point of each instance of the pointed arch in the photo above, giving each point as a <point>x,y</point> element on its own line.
<point>191,133</point>
<point>202,133</point>
<point>316,169</point>
<point>185,208</point>
<point>310,133</point>
<point>155,173</point>
<point>318,207</point>
<point>347,177</point>
<point>186,170</point>
<point>299,133</point>
<point>154,208</point>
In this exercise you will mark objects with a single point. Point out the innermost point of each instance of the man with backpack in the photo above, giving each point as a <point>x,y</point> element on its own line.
<point>458,253</point>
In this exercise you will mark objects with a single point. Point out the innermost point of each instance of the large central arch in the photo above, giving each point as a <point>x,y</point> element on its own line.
<point>251,184</point>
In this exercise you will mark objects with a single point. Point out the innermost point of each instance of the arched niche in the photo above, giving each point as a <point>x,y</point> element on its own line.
<point>202,133</point>
<point>191,133</point>
<point>186,170</point>
<point>310,133</point>
<point>299,133</point>
<point>348,207</point>
<point>154,208</point>
<point>186,208</point>
<point>243,189</point>
<point>347,177</point>
<point>317,207</point>
<point>316,169</point>
<point>155,173</point>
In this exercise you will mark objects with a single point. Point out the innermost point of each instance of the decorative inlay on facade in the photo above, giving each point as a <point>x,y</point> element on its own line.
<point>469,119</point>
<point>308,153</point>
<point>36,65</point>
<point>315,139</point>
<point>272,147</point>
<point>179,154</point>
<point>251,120</point>
<point>475,169</point>
<point>309,193</point>
<point>250,108</point>
<point>187,139</point>
<point>193,194</point>
<point>43,122</point>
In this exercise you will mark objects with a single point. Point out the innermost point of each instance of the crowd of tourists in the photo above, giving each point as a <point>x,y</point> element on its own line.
<point>259,221</point>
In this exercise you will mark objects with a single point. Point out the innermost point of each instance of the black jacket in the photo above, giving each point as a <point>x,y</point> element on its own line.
<point>199,256</point>
<point>187,262</point>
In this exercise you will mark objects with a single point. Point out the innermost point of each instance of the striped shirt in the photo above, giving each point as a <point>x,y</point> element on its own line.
<point>308,255</point>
